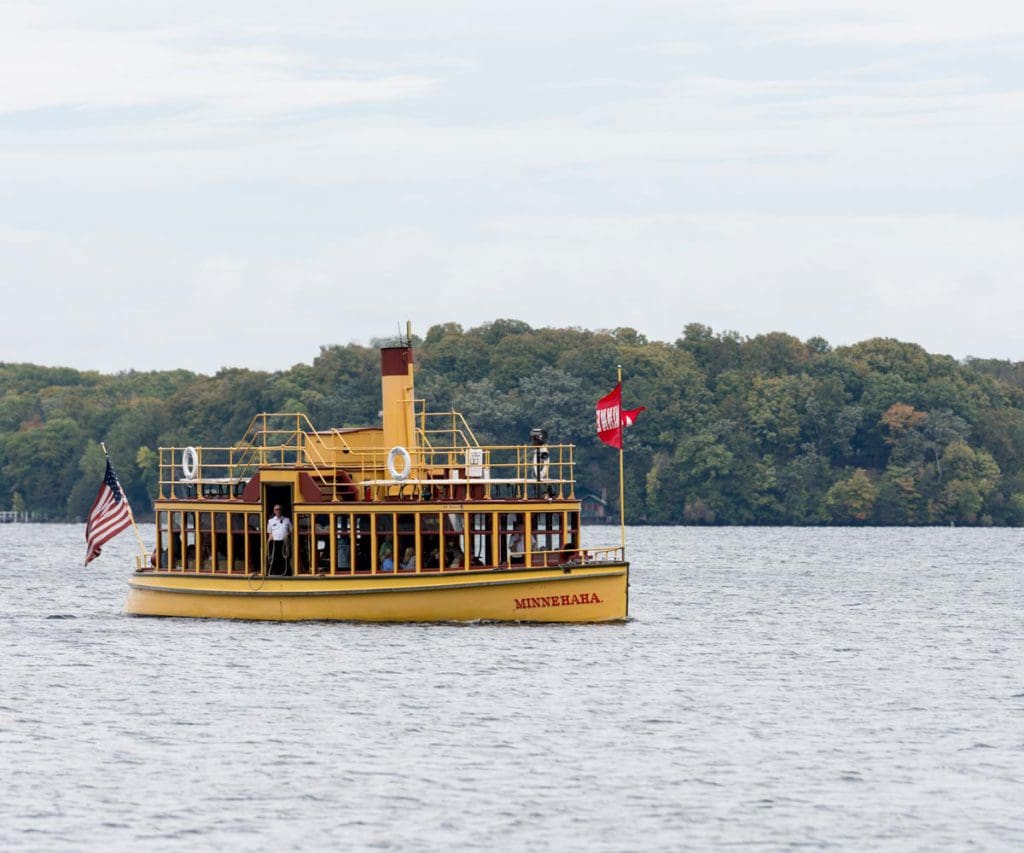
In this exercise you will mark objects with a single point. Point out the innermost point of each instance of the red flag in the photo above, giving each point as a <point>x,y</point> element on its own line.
<point>629,416</point>
<point>611,418</point>
<point>110,514</point>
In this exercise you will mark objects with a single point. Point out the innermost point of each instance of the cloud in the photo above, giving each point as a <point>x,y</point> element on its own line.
<point>151,106</point>
<point>814,167</point>
<point>947,283</point>
<point>832,133</point>
<point>221,78</point>
<point>873,22</point>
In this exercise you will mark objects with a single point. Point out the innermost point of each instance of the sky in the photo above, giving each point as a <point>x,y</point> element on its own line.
<point>236,184</point>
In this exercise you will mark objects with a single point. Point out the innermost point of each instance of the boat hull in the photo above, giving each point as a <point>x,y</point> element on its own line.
<point>591,593</point>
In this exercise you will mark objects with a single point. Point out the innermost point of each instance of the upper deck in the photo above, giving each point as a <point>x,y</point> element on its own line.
<point>415,455</point>
<point>444,462</point>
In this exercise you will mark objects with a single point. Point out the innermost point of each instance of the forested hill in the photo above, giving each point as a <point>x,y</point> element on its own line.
<point>761,430</point>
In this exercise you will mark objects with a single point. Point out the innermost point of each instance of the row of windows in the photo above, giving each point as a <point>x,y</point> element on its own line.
<point>365,543</point>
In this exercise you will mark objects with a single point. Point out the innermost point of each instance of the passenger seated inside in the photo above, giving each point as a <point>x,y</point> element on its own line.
<point>408,563</point>
<point>454,558</point>
<point>517,547</point>
<point>433,560</point>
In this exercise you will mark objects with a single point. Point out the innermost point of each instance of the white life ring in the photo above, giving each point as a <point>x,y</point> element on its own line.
<point>398,450</point>
<point>189,463</point>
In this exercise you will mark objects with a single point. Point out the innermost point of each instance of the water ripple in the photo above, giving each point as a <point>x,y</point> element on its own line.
<point>774,689</point>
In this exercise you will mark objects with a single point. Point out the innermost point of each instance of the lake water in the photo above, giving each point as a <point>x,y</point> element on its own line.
<point>773,689</point>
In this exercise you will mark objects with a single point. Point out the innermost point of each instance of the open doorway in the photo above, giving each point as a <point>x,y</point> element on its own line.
<point>281,536</point>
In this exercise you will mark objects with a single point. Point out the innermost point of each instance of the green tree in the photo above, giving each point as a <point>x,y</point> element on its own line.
<point>40,463</point>
<point>901,498</point>
<point>92,464</point>
<point>969,477</point>
<point>851,500</point>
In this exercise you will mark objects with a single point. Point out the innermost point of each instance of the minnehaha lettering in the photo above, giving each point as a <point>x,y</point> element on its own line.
<point>557,600</point>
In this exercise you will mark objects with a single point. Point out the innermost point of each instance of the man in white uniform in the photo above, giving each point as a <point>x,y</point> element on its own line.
<point>279,533</point>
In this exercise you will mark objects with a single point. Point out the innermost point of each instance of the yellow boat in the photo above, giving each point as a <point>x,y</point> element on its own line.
<point>413,521</point>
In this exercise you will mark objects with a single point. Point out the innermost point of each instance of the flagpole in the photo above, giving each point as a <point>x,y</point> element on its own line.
<point>622,488</point>
<point>127,503</point>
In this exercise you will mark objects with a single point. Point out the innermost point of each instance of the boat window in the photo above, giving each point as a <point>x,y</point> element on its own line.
<point>189,541</point>
<point>405,552</point>
<point>363,543</point>
<point>305,555</point>
<point>343,543</point>
<point>174,550</point>
<point>254,552</point>
<point>430,542</point>
<point>571,539</point>
<point>480,537</point>
<point>163,533</point>
<point>237,542</point>
<point>547,528</point>
<point>220,541</point>
<point>204,541</point>
<point>454,541</point>
<point>512,527</point>
<point>385,540</point>
<point>322,543</point>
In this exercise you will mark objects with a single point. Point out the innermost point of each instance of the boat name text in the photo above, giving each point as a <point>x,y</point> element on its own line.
<point>557,600</point>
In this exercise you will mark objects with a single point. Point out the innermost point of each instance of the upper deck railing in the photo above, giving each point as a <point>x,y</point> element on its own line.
<point>447,463</point>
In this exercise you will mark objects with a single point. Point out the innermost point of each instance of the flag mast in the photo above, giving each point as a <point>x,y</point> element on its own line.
<point>611,426</point>
<point>622,488</point>
<point>127,503</point>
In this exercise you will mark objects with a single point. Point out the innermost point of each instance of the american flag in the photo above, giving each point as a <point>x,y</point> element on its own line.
<point>110,514</point>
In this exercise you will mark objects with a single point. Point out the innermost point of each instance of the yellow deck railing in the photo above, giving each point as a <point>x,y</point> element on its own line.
<point>449,462</point>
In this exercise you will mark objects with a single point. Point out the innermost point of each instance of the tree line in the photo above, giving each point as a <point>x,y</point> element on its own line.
<point>738,430</point>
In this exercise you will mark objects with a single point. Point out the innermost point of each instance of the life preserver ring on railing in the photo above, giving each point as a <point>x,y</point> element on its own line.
<point>189,463</point>
<point>398,450</point>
